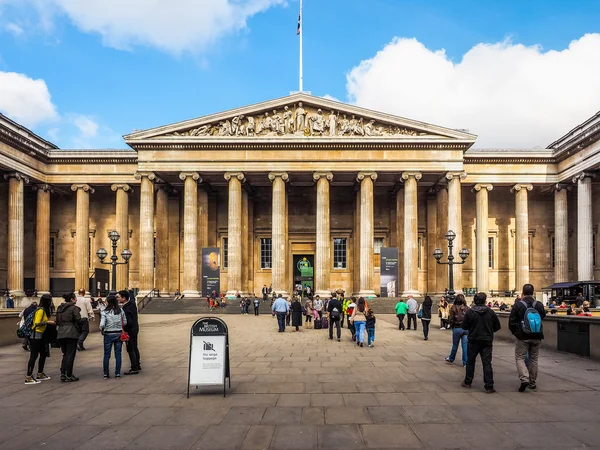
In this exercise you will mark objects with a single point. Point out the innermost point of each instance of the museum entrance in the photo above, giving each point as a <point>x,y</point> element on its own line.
<point>304,282</point>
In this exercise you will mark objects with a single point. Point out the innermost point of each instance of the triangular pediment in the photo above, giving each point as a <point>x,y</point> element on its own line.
<point>299,116</point>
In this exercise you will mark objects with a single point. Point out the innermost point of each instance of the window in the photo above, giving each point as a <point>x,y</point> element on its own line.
<point>594,248</point>
<point>225,254</point>
<point>491,252</point>
<point>340,255</point>
<point>419,243</point>
<point>377,244</point>
<point>553,251</point>
<point>52,253</point>
<point>266,253</point>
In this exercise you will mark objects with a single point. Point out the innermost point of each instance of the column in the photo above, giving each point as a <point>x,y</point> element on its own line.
<point>482,251</point>
<point>146,256</point>
<point>367,234</point>
<point>82,236</point>
<point>411,234</point>
<point>122,227</point>
<point>42,239</point>
<point>521,235</point>
<point>323,254</point>
<point>190,233</point>
<point>431,242</point>
<point>455,221</point>
<point>442,228</point>
<point>234,233</point>
<point>244,247</point>
<point>16,233</point>
<point>585,258</point>
<point>162,239</point>
<point>561,234</point>
<point>202,230</point>
<point>278,233</point>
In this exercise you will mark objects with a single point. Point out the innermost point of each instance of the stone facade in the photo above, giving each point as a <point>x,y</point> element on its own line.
<point>319,173</point>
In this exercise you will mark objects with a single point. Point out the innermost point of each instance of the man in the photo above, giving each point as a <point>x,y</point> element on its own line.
<point>280,308</point>
<point>525,323</point>
<point>578,301</point>
<point>87,314</point>
<point>265,292</point>
<point>413,308</point>
<point>132,328</point>
<point>345,303</point>
<point>334,311</point>
<point>481,322</point>
<point>318,306</point>
<point>401,310</point>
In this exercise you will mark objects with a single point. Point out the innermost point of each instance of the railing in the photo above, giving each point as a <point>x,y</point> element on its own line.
<point>141,304</point>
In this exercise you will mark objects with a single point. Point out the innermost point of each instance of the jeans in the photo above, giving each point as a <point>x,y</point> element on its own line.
<point>133,351</point>
<point>401,321</point>
<point>85,330</point>
<point>256,310</point>
<point>425,323</point>
<point>69,350</point>
<point>483,348</point>
<point>38,348</point>
<point>111,339</point>
<point>288,317</point>
<point>360,331</point>
<point>335,322</point>
<point>342,320</point>
<point>281,321</point>
<point>412,318</point>
<point>527,372</point>
<point>352,329</point>
<point>370,335</point>
<point>459,335</point>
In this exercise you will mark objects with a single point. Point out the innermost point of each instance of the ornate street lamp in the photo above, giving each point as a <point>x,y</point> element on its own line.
<point>438,254</point>
<point>125,254</point>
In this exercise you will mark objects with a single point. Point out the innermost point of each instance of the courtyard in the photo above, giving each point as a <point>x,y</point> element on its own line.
<point>298,390</point>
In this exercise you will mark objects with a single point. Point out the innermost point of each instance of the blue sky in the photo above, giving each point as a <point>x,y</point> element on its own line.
<point>102,86</point>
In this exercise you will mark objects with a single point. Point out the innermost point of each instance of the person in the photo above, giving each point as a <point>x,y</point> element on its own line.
<point>459,334</point>
<point>413,309</point>
<point>350,311</point>
<point>426,316</point>
<point>38,341</point>
<point>578,300</point>
<point>256,305</point>
<point>309,295</point>
<point>288,316</point>
<point>177,295</point>
<point>242,306</point>
<point>132,327</point>
<point>443,313</point>
<point>308,311</point>
<point>318,305</point>
<point>280,308</point>
<point>503,306</point>
<point>296,313</point>
<point>24,315</point>
<point>101,305</point>
<point>370,325</point>
<point>87,314</point>
<point>265,293</point>
<point>334,311</point>
<point>529,338</point>
<point>68,322</point>
<point>481,323</point>
<point>401,310</point>
<point>563,305</point>
<point>10,303</point>
<point>112,324</point>
<point>345,303</point>
<point>359,319</point>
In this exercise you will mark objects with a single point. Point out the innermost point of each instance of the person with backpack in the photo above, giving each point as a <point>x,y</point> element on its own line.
<point>481,323</point>
<point>68,322</point>
<point>459,334</point>
<point>132,328</point>
<point>38,340</point>
<point>112,323</point>
<point>426,316</point>
<point>24,315</point>
<point>370,325</point>
<point>525,323</point>
<point>359,319</point>
<point>334,311</point>
<point>256,305</point>
<point>401,310</point>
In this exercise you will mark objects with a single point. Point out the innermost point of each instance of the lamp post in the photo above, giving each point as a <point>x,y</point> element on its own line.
<point>125,254</point>
<point>464,254</point>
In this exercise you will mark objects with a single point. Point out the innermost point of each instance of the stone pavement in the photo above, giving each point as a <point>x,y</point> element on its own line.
<point>299,390</point>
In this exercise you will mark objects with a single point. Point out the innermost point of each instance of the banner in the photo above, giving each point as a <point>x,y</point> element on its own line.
<point>389,271</point>
<point>211,271</point>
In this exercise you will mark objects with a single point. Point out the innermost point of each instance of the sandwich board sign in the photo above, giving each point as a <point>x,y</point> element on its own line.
<point>209,354</point>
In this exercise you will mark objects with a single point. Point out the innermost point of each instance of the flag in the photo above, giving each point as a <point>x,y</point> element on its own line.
<point>299,23</point>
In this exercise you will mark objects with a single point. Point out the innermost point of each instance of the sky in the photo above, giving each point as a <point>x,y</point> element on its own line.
<point>82,73</point>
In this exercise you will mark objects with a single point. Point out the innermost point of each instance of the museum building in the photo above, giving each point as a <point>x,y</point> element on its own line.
<point>291,183</point>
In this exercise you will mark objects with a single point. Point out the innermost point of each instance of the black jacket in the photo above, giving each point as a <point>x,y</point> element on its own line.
<point>131,314</point>
<point>335,303</point>
<point>518,313</point>
<point>426,310</point>
<point>68,321</point>
<point>482,323</point>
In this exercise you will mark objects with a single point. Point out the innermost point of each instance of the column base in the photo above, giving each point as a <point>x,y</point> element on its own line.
<point>191,294</point>
<point>284,294</point>
<point>367,294</point>
<point>16,293</point>
<point>323,294</point>
<point>40,293</point>
<point>415,294</point>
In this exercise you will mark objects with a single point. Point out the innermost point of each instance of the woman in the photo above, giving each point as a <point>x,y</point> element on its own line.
<point>309,314</point>
<point>112,322</point>
<point>426,316</point>
<point>359,319</point>
<point>38,341</point>
<point>443,313</point>
<point>296,311</point>
<point>458,311</point>
<point>68,321</point>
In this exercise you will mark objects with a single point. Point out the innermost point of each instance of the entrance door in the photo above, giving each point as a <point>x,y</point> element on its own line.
<point>303,274</point>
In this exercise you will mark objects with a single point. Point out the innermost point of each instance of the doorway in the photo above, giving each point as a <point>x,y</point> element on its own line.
<point>303,266</point>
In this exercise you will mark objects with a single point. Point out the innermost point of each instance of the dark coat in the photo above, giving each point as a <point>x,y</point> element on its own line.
<point>131,314</point>
<point>296,310</point>
<point>426,310</point>
<point>482,323</point>
<point>518,313</point>
<point>68,321</point>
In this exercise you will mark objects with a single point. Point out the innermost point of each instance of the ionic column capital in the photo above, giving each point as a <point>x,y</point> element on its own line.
<point>283,175</point>
<point>150,175</point>
<point>582,176</point>
<point>519,187</point>
<point>123,187</point>
<point>193,175</point>
<point>43,187</point>
<point>17,175</point>
<point>362,175</point>
<point>479,187</point>
<point>406,175</point>
<point>84,187</point>
<point>460,175</point>
<point>239,175</point>
<point>560,187</point>
<point>319,175</point>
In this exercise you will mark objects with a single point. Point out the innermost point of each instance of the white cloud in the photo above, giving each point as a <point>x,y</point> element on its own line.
<point>174,26</point>
<point>86,126</point>
<point>25,100</point>
<point>508,94</point>
<point>14,29</point>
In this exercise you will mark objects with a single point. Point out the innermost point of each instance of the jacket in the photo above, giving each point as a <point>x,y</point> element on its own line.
<point>68,321</point>
<point>455,312</point>
<point>335,303</point>
<point>85,305</point>
<point>371,321</point>
<point>401,308</point>
<point>413,306</point>
<point>358,316</point>
<point>111,322</point>
<point>132,325</point>
<point>482,323</point>
<point>40,321</point>
<point>426,311</point>
<point>517,315</point>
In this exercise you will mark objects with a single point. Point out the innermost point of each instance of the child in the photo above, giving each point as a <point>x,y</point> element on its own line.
<point>370,328</point>
<point>349,311</point>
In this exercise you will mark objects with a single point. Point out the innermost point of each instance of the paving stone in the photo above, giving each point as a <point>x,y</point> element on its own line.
<point>486,435</point>
<point>282,415</point>
<point>152,416</point>
<point>430,414</point>
<point>162,437</point>
<point>352,400</point>
<point>114,438</point>
<point>340,436</point>
<point>245,415</point>
<point>313,416</point>
<point>439,435</point>
<point>69,438</point>
<point>390,436</point>
<point>294,400</point>
<point>345,415</point>
<point>388,414</point>
<point>327,400</point>
<point>295,437</point>
<point>539,434</point>
<point>197,417</point>
<point>258,437</point>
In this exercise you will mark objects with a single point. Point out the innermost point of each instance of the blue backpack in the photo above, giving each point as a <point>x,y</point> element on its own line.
<point>25,330</point>
<point>532,321</point>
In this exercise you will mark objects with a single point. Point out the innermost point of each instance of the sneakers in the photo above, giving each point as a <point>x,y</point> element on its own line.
<point>72,378</point>
<point>369,346</point>
<point>42,377</point>
<point>131,372</point>
<point>490,391</point>
<point>106,377</point>
<point>465,385</point>
<point>31,380</point>
<point>531,386</point>
<point>63,377</point>
<point>117,375</point>
<point>449,361</point>
<point>523,386</point>
<point>361,344</point>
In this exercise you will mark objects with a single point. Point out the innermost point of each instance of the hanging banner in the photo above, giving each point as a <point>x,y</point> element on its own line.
<point>389,272</point>
<point>211,271</point>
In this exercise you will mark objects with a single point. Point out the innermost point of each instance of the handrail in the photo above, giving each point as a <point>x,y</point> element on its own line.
<point>141,304</point>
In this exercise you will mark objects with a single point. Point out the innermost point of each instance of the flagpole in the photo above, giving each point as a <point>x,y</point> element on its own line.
<point>301,20</point>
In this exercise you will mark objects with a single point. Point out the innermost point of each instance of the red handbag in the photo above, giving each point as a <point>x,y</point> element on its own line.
<point>124,334</point>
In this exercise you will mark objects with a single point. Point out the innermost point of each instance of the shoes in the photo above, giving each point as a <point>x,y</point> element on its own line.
<point>42,377</point>
<point>31,380</point>
<point>490,391</point>
<point>331,339</point>
<point>523,386</point>
<point>531,386</point>
<point>465,365</point>
<point>117,375</point>
<point>442,328</point>
<point>132,372</point>
<point>425,338</point>
<point>26,347</point>
<point>72,379</point>
<point>465,385</point>
<point>449,361</point>
<point>81,348</point>
<point>106,377</point>
<point>339,339</point>
<point>361,344</point>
